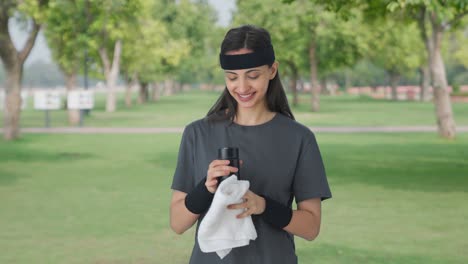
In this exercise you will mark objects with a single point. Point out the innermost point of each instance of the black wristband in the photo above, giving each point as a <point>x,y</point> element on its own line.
<point>276,214</point>
<point>199,199</point>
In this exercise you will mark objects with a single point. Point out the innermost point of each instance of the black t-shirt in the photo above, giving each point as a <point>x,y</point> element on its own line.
<point>281,159</point>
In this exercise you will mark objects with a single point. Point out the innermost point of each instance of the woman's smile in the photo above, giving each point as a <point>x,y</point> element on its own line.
<point>246,97</point>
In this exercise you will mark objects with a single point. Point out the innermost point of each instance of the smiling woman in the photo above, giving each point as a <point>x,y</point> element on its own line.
<point>280,160</point>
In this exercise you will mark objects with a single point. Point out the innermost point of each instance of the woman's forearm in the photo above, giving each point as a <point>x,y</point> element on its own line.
<point>305,221</point>
<point>304,224</point>
<point>180,217</point>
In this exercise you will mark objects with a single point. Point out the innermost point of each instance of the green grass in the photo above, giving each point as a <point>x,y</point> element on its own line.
<point>179,110</point>
<point>398,198</point>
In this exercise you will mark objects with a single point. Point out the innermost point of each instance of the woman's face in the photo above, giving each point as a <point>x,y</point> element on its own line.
<point>249,86</point>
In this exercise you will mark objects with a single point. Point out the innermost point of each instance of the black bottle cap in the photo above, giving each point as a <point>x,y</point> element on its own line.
<point>228,153</point>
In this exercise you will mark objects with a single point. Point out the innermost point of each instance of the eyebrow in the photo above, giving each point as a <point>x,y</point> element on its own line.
<point>252,70</point>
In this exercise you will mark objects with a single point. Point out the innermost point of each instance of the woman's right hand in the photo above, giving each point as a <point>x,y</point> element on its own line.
<point>216,169</point>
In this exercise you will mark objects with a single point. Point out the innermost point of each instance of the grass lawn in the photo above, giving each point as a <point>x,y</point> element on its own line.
<point>398,198</point>
<point>179,110</point>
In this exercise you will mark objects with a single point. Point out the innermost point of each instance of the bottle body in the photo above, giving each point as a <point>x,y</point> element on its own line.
<point>231,154</point>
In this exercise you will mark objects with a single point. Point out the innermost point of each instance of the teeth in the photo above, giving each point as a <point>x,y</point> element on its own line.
<point>245,96</point>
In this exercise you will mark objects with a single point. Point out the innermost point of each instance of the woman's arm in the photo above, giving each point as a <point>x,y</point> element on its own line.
<point>305,221</point>
<point>181,218</point>
<point>199,199</point>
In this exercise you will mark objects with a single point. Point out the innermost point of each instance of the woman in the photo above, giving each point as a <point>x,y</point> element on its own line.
<point>281,158</point>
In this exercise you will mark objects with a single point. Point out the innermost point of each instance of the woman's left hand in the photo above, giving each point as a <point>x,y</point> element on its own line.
<point>253,205</point>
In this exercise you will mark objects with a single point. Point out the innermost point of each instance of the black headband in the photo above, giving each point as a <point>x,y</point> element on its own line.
<point>249,60</point>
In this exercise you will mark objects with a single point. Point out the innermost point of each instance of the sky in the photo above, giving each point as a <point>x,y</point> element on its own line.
<point>41,52</point>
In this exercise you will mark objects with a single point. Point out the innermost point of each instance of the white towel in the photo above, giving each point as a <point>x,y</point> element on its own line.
<point>220,230</point>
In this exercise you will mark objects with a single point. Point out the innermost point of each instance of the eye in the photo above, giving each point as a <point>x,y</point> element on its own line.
<point>232,78</point>
<point>253,77</point>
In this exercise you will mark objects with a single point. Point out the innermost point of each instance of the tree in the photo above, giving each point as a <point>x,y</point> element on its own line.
<point>33,12</point>
<point>194,22</point>
<point>395,47</point>
<point>441,16</point>
<point>307,30</point>
<point>65,31</point>
<point>288,39</point>
<point>109,24</point>
<point>153,51</point>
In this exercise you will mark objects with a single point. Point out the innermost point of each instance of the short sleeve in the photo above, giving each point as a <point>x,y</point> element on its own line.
<point>310,180</point>
<point>183,176</point>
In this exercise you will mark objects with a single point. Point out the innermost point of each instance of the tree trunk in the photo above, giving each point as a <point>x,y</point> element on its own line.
<point>111,72</point>
<point>323,86</point>
<point>128,90</point>
<point>313,77</point>
<point>293,83</point>
<point>73,114</point>
<point>13,61</point>
<point>155,95</point>
<point>178,87</point>
<point>394,80</point>
<point>293,87</point>
<point>443,105</point>
<point>144,93</point>
<point>347,79</point>
<point>12,109</point>
<point>128,95</point>
<point>425,69</point>
<point>424,82</point>
<point>168,87</point>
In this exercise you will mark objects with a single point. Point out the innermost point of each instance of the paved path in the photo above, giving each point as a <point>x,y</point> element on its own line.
<point>153,130</point>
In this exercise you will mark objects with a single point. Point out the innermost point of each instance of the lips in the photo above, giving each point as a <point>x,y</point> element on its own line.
<point>246,97</point>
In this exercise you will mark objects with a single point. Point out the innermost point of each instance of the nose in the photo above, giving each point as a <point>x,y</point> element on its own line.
<point>243,85</point>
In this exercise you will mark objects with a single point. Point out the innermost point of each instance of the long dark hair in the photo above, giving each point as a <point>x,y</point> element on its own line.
<point>255,39</point>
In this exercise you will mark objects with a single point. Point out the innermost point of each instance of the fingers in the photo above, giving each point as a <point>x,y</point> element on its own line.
<point>215,163</point>
<point>249,207</point>
<point>216,169</point>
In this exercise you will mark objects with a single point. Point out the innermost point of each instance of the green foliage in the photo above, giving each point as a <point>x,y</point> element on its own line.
<point>149,48</point>
<point>66,34</point>
<point>195,22</point>
<point>34,9</point>
<point>396,47</point>
<point>457,42</point>
<point>293,26</point>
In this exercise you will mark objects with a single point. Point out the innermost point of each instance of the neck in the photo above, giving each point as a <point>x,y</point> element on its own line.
<point>251,117</point>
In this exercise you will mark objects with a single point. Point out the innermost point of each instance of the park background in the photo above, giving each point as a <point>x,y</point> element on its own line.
<point>389,115</point>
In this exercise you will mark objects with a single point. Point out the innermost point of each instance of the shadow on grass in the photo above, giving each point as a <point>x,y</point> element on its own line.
<point>419,167</point>
<point>8,177</point>
<point>18,153</point>
<point>166,160</point>
<point>33,155</point>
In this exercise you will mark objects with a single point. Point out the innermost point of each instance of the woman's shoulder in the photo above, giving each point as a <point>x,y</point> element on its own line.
<point>293,126</point>
<point>202,124</point>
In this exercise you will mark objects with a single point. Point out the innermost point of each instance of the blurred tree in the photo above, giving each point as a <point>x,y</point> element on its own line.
<point>109,24</point>
<point>195,22</point>
<point>33,12</point>
<point>306,33</point>
<point>154,50</point>
<point>288,39</point>
<point>395,47</point>
<point>66,36</point>
<point>435,18</point>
